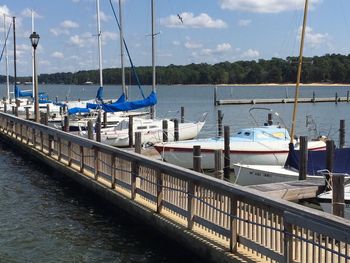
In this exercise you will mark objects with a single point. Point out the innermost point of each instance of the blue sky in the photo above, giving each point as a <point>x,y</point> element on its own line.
<point>212,31</point>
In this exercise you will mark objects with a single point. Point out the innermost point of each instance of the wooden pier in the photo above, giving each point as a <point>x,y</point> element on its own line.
<point>219,221</point>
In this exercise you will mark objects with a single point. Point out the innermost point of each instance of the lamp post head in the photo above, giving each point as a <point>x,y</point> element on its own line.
<point>34,38</point>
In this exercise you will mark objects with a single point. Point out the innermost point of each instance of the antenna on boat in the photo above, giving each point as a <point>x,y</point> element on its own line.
<point>299,73</point>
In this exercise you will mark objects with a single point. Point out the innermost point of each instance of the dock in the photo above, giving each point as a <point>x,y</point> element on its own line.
<point>218,221</point>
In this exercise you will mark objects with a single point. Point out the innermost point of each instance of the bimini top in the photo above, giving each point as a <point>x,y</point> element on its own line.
<point>264,133</point>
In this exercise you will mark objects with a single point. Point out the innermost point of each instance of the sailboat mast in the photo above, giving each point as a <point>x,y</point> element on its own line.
<point>99,34</point>
<point>33,80</point>
<point>299,73</point>
<point>6,62</point>
<point>14,51</point>
<point>121,36</point>
<point>153,110</point>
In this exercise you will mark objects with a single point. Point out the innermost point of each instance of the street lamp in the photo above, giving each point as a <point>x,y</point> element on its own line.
<point>34,38</point>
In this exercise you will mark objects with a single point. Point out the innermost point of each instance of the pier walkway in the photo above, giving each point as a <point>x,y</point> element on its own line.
<point>218,221</point>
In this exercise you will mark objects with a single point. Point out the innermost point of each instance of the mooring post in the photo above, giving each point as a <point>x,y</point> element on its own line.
<point>66,124</point>
<point>131,131</point>
<point>5,106</point>
<point>215,95</point>
<point>338,204</point>
<point>347,96</point>
<point>13,110</point>
<point>329,161</point>
<point>313,97</point>
<point>90,128</point>
<point>342,134</point>
<point>165,130</point>
<point>218,164</point>
<point>48,109</point>
<point>269,119</point>
<point>182,114</point>
<point>336,98</point>
<point>98,129</point>
<point>220,117</point>
<point>138,142</point>
<point>104,119</point>
<point>227,160</point>
<point>176,130</point>
<point>303,158</point>
<point>27,113</point>
<point>197,158</point>
<point>45,119</point>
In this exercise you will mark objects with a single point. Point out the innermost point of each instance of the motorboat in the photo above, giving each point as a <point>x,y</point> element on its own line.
<point>265,145</point>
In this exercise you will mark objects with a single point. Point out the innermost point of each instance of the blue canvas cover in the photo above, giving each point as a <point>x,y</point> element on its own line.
<point>317,160</point>
<point>19,93</point>
<point>76,110</point>
<point>151,100</point>
<point>95,106</point>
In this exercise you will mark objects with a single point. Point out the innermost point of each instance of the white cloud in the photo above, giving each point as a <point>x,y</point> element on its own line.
<point>109,35</point>
<point>188,20</point>
<point>218,50</point>
<point>176,43</point>
<point>265,6</point>
<point>244,22</point>
<point>76,41</point>
<point>68,24</point>
<point>103,17</point>
<point>5,10</point>
<point>192,45</point>
<point>58,31</point>
<point>312,38</point>
<point>250,54</point>
<point>57,54</point>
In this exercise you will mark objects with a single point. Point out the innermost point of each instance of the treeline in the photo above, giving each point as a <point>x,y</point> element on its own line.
<point>327,69</point>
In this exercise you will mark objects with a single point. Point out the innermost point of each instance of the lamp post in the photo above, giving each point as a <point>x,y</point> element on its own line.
<point>34,38</point>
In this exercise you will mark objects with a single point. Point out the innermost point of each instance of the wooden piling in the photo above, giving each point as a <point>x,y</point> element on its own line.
<point>27,113</point>
<point>131,131</point>
<point>313,97</point>
<point>48,109</point>
<point>336,98</point>
<point>218,164</point>
<point>13,110</point>
<point>342,134</point>
<point>90,128</point>
<point>176,130</point>
<point>338,204</point>
<point>197,159</point>
<point>138,142</point>
<point>66,124</point>
<point>165,130</point>
<point>98,130</point>
<point>227,160</point>
<point>5,106</point>
<point>182,114</point>
<point>104,119</point>
<point>215,95</point>
<point>303,158</point>
<point>220,117</point>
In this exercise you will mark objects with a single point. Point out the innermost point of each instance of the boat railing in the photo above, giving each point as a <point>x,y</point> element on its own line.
<point>229,216</point>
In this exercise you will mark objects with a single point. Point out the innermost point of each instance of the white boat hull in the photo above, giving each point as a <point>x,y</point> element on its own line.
<point>259,153</point>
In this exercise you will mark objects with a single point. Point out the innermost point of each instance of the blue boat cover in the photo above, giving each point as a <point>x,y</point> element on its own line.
<point>19,93</point>
<point>95,106</point>
<point>76,110</point>
<point>131,105</point>
<point>317,160</point>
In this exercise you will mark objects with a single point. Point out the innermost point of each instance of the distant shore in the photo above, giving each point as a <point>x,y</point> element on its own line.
<point>287,84</point>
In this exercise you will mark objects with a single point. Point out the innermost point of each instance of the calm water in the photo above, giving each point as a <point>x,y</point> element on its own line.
<point>45,218</point>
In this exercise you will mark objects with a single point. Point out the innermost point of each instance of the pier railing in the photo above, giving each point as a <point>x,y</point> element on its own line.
<point>230,216</point>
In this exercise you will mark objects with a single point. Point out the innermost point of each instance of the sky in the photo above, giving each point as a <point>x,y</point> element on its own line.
<point>187,31</point>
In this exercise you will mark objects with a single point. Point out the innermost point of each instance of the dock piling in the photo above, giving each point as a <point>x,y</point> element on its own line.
<point>66,124</point>
<point>227,160</point>
<point>131,131</point>
<point>342,134</point>
<point>329,160</point>
<point>138,142</point>
<point>197,158</point>
<point>182,114</point>
<point>220,118</point>
<point>176,130</point>
<point>165,130</point>
<point>90,128</point>
<point>218,164</point>
<point>338,204</point>
<point>303,158</point>
<point>27,113</point>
